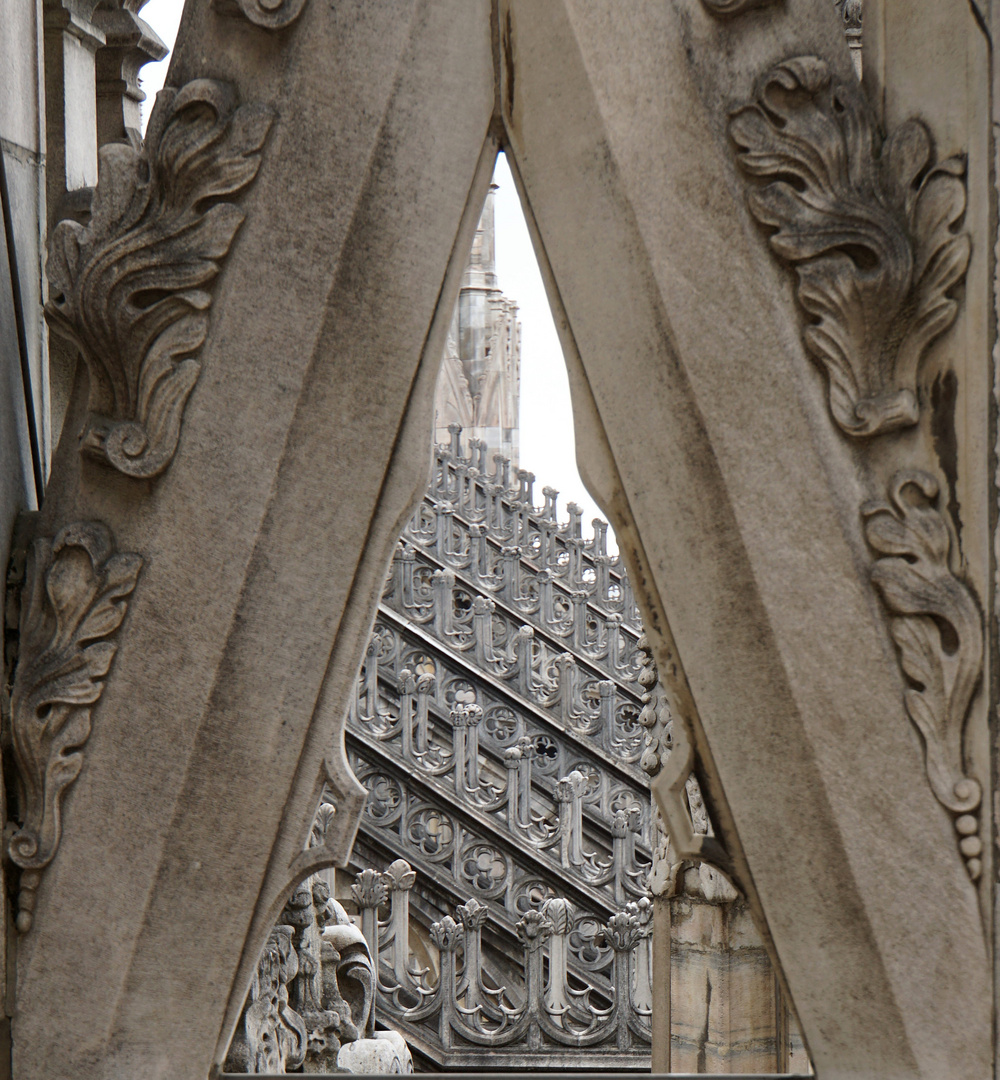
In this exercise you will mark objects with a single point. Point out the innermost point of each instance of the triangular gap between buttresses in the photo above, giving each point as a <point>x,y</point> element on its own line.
<point>600,477</point>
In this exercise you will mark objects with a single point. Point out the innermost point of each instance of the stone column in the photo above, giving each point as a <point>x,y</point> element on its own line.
<point>72,39</point>
<point>130,43</point>
<point>722,990</point>
<point>662,1015</point>
<point>740,504</point>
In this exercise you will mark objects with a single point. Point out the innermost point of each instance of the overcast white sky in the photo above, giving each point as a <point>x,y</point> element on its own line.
<point>546,414</point>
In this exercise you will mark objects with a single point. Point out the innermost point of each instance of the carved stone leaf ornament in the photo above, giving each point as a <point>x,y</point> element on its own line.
<point>130,289</point>
<point>272,1037</point>
<point>937,627</point>
<point>871,226</point>
<point>75,597</point>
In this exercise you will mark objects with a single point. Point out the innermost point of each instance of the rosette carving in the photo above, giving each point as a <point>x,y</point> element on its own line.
<point>269,14</point>
<point>872,228</point>
<point>937,627</point>
<point>130,290</point>
<point>723,9</point>
<point>75,597</point>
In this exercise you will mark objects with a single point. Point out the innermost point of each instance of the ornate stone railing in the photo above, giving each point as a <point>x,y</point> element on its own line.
<point>591,692</point>
<point>484,525</point>
<point>465,857</point>
<point>503,768</point>
<point>543,1009</point>
<point>582,720</point>
<point>496,726</point>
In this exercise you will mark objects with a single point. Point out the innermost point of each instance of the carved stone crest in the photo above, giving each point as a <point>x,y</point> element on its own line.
<point>669,759</point>
<point>75,597</point>
<point>872,227</point>
<point>130,289</point>
<point>313,992</point>
<point>937,627</point>
<point>271,1037</point>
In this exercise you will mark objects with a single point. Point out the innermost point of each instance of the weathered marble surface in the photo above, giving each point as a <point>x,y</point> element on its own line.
<point>779,658</point>
<point>172,852</point>
<point>703,428</point>
<point>386,1055</point>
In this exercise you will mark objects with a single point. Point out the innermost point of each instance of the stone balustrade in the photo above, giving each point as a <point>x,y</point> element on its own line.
<point>547,1008</point>
<point>408,698</point>
<point>551,664</point>
<point>496,727</point>
<point>484,527</point>
<point>468,855</point>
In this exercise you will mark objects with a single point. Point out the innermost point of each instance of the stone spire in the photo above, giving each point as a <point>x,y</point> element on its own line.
<point>480,378</point>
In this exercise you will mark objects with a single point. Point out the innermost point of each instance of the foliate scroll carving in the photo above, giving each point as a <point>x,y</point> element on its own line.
<point>130,290</point>
<point>725,8</point>
<point>872,227</point>
<point>269,14</point>
<point>937,627</point>
<point>75,597</point>
<point>271,1037</point>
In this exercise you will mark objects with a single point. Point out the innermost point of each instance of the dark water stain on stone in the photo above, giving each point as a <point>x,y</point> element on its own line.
<point>508,57</point>
<point>944,395</point>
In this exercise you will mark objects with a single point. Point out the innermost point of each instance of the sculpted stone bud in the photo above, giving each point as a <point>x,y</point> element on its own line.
<point>445,934</point>
<point>560,914</point>
<point>534,930</point>
<point>472,914</point>
<point>369,889</point>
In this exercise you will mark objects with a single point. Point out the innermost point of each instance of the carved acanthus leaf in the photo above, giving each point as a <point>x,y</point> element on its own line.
<point>871,228</point>
<point>130,289</point>
<point>75,599</point>
<point>937,627</point>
